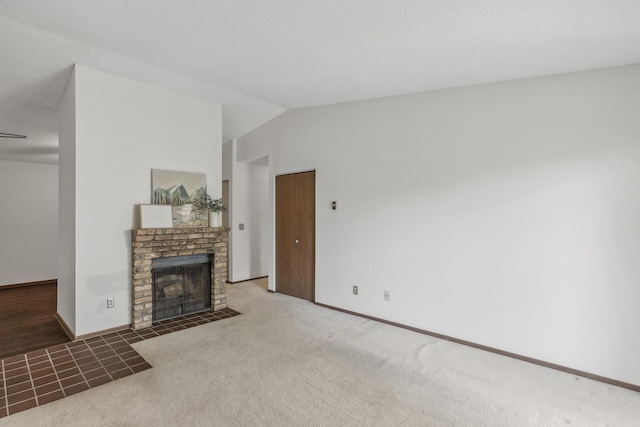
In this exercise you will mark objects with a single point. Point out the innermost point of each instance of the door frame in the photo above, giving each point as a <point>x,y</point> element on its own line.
<point>272,184</point>
<point>227,215</point>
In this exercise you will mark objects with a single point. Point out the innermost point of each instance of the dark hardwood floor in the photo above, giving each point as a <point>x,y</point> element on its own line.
<point>27,318</point>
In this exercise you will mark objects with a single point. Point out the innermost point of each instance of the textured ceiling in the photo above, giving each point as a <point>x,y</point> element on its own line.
<point>259,58</point>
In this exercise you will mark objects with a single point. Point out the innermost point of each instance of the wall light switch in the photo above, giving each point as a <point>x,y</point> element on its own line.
<point>110,303</point>
<point>240,226</point>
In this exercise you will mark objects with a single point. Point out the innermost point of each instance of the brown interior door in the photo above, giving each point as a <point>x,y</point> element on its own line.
<point>295,234</point>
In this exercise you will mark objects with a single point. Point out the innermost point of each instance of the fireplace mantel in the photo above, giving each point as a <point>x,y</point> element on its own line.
<point>151,243</point>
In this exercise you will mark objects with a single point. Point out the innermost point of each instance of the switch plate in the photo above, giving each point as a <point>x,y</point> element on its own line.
<point>355,290</point>
<point>110,303</point>
<point>240,226</point>
<point>387,295</point>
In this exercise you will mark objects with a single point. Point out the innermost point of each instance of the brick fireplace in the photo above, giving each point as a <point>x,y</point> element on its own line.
<point>153,243</point>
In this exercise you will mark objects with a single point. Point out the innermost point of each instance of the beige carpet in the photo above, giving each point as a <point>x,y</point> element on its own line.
<point>285,362</point>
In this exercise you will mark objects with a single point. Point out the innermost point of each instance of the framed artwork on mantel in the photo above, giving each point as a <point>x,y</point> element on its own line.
<point>179,189</point>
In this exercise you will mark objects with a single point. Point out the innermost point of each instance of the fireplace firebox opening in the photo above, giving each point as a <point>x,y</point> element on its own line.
<point>181,284</point>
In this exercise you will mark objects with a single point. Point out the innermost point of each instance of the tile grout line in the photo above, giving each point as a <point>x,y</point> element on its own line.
<point>100,362</point>
<point>33,386</point>
<point>55,371</point>
<point>4,385</point>
<point>6,391</point>
<point>119,354</point>
<point>73,357</point>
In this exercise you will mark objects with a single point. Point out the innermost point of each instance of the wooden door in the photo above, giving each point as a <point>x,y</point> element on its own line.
<point>295,234</point>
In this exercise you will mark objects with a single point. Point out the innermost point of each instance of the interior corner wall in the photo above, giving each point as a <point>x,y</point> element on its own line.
<point>505,214</point>
<point>260,242</point>
<point>249,206</point>
<point>29,226</point>
<point>228,160</point>
<point>123,130</point>
<point>66,300</point>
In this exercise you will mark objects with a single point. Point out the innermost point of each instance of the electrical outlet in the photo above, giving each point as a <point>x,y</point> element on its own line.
<point>110,303</point>
<point>355,290</point>
<point>387,295</point>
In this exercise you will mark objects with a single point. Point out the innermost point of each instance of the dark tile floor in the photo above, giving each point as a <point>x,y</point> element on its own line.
<point>53,373</point>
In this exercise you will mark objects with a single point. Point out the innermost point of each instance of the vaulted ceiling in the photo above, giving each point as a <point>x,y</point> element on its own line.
<point>260,58</point>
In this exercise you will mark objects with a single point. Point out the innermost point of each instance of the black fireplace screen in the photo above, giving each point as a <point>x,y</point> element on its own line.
<point>181,285</point>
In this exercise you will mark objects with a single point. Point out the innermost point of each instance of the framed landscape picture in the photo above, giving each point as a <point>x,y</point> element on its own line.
<point>179,189</point>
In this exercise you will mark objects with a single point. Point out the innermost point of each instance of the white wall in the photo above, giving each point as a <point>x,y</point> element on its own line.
<point>29,224</point>
<point>504,214</point>
<point>123,130</point>
<point>249,195</point>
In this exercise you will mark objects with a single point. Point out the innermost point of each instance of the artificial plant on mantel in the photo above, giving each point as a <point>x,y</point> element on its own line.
<point>215,207</point>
